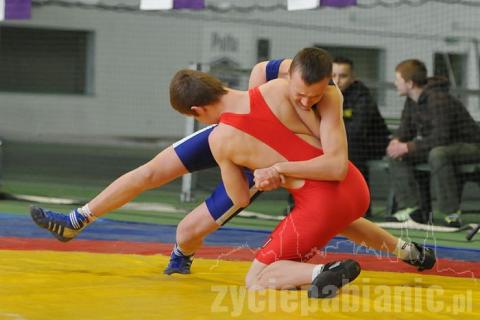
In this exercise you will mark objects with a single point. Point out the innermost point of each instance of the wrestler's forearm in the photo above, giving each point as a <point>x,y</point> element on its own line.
<point>319,168</point>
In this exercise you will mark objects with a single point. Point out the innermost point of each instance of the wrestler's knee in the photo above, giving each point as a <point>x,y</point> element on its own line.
<point>195,226</point>
<point>250,281</point>
<point>162,169</point>
<point>253,279</point>
<point>146,176</point>
<point>267,278</point>
<point>256,283</point>
<point>271,277</point>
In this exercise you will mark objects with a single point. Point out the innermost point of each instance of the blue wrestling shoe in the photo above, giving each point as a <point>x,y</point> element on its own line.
<point>426,258</point>
<point>178,263</point>
<point>333,276</point>
<point>63,227</point>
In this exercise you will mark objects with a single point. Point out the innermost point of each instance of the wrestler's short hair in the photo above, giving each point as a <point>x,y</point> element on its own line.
<point>314,64</point>
<point>413,70</point>
<point>194,88</point>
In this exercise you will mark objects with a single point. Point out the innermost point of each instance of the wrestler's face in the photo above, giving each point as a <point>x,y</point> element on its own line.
<point>402,85</point>
<point>342,74</point>
<point>305,96</point>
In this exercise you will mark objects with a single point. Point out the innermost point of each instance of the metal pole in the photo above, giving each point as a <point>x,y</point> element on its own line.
<point>473,79</point>
<point>0,163</point>
<point>187,179</point>
<point>191,126</point>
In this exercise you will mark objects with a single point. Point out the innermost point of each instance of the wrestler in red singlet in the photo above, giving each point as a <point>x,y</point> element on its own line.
<point>322,208</point>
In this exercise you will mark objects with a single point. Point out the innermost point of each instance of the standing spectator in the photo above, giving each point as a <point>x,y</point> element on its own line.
<point>367,132</point>
<point>435,128</point>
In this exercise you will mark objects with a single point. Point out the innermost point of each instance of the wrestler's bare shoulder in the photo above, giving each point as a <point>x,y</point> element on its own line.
<point>284,69</point>
<point>277,83</point>
<point>332,98</point>
<point>275,87</point>
<point>222,132</point>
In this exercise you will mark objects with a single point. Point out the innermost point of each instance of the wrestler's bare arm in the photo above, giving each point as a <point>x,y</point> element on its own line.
<point>332,97</point>
<point>235,182</point>
<point>258,73</point>
<point>332,165</point>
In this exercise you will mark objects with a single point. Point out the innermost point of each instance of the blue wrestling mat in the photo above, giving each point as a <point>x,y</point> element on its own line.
<point>105,229</point>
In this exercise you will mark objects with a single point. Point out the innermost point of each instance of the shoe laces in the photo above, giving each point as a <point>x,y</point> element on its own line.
<point>178,260</point>
<point>55,216</point>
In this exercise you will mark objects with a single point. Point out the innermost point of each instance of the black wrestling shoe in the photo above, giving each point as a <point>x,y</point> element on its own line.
<point>421,216</point>
<point>426,259</point>
<point>334,275</point>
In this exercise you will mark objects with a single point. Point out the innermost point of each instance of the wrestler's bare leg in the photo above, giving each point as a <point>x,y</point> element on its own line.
<point>162,169</point>
<point>193,228</point>
<point>323,280</point>
<point>367,233</point>
<point>199,223</point>
<point>165,167</point>
<point>282,274</point>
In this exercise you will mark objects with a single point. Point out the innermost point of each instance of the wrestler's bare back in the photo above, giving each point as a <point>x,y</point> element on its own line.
<point>247,151</point>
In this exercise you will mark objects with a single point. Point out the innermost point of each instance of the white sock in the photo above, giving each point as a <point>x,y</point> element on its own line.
<point>81,217</point>
<point>406,250</point>
<point>85,211</point>
<point>317,270</point>
<point>180,252</point>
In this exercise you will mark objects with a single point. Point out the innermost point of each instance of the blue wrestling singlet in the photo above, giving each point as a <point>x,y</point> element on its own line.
<point>194,151</point>
<point>195,154</point>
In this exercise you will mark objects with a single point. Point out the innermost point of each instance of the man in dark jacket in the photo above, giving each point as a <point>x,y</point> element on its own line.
<point>435,128</point>
<point>367,132</point>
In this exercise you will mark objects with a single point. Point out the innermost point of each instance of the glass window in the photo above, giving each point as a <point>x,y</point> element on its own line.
<point>45,60</point>
<point>451,66</point>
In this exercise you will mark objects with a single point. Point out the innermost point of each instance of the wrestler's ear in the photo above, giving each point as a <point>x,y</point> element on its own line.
<point>410,84</point>
<point>197,110</point>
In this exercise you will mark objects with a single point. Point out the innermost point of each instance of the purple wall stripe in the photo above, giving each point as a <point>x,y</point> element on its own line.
<point>188,4</point>
<point>337,3</point>
<point>17,9</point>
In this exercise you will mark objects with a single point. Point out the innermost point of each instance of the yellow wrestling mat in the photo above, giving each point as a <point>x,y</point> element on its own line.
<point>72,285</point>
